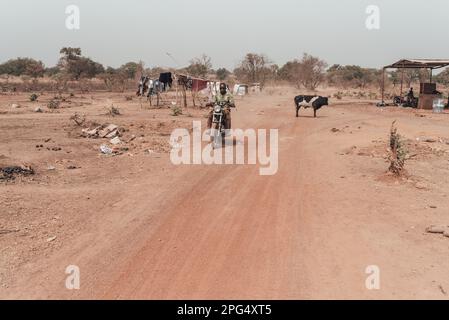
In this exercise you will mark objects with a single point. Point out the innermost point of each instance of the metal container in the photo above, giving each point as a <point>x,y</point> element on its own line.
<point>438,105</point>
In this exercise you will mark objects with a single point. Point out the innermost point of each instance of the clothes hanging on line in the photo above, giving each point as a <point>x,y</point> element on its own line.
<point>198,85</point>
<point>155,87</point>
<point>143,85</point>
<point>166,79</point>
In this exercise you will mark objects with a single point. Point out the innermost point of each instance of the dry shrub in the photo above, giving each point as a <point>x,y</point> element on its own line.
<point>53,104</point>
<point>338,95</point>
<point>113,111</point>
<point>398,151</point>
<point>79,119</point>
<point>176,110</point>
<point>33,97</point>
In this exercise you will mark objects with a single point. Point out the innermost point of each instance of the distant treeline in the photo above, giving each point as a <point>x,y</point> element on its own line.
<point>308,71</point>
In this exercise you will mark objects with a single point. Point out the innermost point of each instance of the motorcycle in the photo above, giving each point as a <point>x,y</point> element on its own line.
<point>218,125</point>
<point>408,102</point>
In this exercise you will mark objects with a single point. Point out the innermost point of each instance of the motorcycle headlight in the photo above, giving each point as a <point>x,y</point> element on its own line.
<point>217,109</point>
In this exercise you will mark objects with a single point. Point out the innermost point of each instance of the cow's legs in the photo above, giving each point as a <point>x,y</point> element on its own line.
<point>297,110</point>
<point>314,112</point>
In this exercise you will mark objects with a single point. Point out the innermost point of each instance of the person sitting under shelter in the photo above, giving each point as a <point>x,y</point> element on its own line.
<point>410,95</point>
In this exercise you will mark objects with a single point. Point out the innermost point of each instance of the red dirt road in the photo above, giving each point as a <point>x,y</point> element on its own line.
<point>225,232</point>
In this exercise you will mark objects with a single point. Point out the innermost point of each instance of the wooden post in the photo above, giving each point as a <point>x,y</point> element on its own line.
<point>177,87</point>
<point>402,80</point>
<point>383,85</point>
<point>193,98</point>
<point>184,95</point>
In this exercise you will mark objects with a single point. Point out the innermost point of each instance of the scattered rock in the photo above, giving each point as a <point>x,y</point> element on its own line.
<point>8,231</point>
<point>51,239</point>
<point>115,141</point>
<point>437,229</point>
<point>9,173</point>
<point>335,130</point>
<point>421,186</point>
<point>91,133</point>
<point>15,106</point>
<point>38,109</point>
<point>428,139</point>
<point>104,132</point>
<point>105,149</point>
<point>432,207</point>
<point>109,131</point>
<point>51,168</point>
<point>112,134</point>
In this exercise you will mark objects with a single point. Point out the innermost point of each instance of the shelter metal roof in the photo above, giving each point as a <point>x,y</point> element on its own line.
<point>419,63</point>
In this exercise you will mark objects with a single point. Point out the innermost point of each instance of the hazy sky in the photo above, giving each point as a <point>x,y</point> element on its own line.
<point>114,32</point>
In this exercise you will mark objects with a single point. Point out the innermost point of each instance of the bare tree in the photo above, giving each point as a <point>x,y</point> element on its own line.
<point>311,71</point>
<point>200,66</point>
<point>254,68</point>
<point>308,72</point>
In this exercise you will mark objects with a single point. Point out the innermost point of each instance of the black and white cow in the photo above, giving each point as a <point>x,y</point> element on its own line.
<point>315,102</point>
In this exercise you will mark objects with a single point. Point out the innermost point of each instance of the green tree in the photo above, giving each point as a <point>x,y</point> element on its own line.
<point>443,77</point>
<point>132,69</point>
<point>308,72</point>
<point>222,73</point>
<point>23,67</point>
<point>352,76</point>
<point>50,72</point>
<point>77,66</point>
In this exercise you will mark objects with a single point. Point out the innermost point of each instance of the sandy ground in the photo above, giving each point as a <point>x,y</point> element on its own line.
<point>140,227</point>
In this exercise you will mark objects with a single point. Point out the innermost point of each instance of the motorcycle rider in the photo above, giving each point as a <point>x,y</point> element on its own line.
<point>222,96</point>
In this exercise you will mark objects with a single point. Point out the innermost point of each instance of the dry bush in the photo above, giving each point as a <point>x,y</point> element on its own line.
<point>33,97</point>
<point>53,104</point>
<point>79,119</point>
<point>176,110</point>
<point>113,111</point>
<point>398,151</point>
<point>338,95</point>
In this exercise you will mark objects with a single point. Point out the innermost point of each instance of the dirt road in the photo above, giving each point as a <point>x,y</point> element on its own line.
<point>225,232</point>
